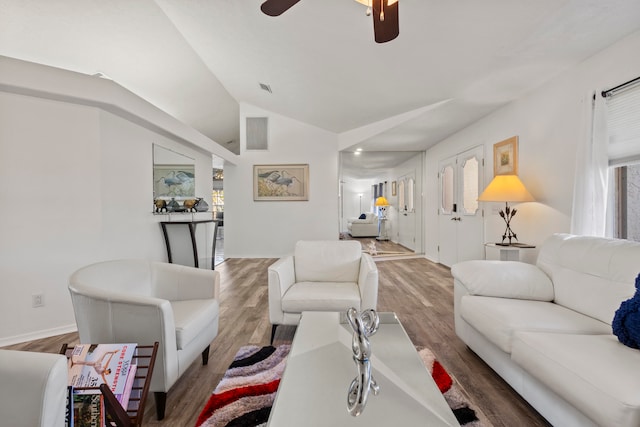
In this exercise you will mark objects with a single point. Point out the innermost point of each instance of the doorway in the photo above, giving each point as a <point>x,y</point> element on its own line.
<point>460,219</point>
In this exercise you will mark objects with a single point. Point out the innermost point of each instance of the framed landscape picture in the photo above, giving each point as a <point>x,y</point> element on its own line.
<point>287,182</point>
<point>505,157</point>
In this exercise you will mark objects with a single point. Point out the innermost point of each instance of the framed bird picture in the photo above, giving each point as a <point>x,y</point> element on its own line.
<point>288,182</point>
<point>173,181</point>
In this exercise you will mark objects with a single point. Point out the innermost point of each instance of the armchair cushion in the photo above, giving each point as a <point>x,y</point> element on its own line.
<point>505,279</point>
<point>189,316</point>
<point>330,296</point>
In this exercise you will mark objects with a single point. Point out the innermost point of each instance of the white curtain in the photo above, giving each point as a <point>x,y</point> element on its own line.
<point>590,193</point>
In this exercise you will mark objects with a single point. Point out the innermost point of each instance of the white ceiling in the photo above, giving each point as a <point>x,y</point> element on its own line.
<point>197,59</point>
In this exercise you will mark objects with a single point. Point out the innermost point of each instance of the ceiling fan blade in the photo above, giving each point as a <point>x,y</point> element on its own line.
<point>389,28</point>
<point>277,7</point>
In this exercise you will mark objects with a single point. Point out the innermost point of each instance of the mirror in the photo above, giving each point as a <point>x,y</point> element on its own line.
<point>173,174</point>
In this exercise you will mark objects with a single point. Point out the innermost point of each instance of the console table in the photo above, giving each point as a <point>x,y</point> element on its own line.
<point>508,252</point>
<point>188,241</point>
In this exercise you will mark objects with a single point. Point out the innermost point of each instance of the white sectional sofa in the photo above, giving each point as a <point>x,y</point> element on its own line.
<point>546,328</point>
<point>367,227</point>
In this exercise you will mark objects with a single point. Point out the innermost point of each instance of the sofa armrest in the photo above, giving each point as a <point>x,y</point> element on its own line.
<point>505,279</point>
<point>368,282</point>
<point>281,276</point>
<point>33,389</point>
<point>176,282</point>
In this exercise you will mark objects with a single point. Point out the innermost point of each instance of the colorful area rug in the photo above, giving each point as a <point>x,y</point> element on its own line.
<point>244,396</point>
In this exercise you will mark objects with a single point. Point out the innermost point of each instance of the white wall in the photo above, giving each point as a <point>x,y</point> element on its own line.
<point>258,229</point>
<point>550,123</point>
<point>76,184</point>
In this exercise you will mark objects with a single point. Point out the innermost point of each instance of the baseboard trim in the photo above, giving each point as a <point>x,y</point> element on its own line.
<point>36,335</point>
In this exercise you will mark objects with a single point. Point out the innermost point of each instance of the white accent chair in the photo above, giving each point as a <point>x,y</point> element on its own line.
<point>367,227</point>
<point>144,301</point>
<point>323,275</point>
<point>33,389</point>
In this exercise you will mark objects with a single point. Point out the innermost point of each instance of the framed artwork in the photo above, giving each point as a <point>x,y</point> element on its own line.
<point>281,182</point>
<point>174,181</point>
<point>394,190</point>
<point>505,157</point>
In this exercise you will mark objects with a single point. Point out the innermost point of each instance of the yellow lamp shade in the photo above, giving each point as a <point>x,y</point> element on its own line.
<point>382,201</point>
<point>506,188</point>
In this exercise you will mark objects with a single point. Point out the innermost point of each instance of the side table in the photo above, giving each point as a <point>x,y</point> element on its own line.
<point>144,357</point>
<point>508,253</point>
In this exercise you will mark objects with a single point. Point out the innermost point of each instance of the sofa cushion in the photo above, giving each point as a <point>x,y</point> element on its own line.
<point>327,260</point>
<point>190,316</point>
<point>321,296</point>
<point>506,279</point>
<point>591,275</point>
<point>595,373</point>
<point>499,318</point>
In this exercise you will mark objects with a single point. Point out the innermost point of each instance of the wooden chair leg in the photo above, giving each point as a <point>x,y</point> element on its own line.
<point>205,355</point>
<point>161,403</point>
<point>273,332</point>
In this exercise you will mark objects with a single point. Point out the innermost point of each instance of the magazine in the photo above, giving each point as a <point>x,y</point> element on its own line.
<point>93,364</point>
<point>88,410</point>
<point>124,397</point>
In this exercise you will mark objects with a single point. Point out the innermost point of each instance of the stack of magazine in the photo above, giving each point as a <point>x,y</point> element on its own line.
<point>91,365</point>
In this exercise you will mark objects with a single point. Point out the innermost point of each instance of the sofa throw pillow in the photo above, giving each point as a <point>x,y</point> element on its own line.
<point>626,321</point>
<point>362,216</point>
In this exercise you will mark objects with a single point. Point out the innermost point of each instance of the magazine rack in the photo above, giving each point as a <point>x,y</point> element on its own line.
<point>144,357</point>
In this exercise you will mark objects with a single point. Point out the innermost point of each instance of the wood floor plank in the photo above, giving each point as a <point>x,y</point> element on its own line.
<point>419,291</point>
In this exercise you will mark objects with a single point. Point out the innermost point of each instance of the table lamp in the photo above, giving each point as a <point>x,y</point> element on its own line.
<point>506,188</point>
<point>382,203</point>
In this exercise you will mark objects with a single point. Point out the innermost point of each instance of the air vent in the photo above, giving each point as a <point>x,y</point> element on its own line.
<point>257,133</point>
<point>265,87</point>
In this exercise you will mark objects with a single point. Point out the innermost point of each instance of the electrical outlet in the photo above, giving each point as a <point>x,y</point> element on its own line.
<point>37,300</point>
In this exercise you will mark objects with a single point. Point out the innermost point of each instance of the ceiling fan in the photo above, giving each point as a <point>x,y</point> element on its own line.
<point>385,15</point>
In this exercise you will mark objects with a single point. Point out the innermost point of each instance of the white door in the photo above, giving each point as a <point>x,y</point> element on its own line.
<point>460,230</point>
<point>407,211</point>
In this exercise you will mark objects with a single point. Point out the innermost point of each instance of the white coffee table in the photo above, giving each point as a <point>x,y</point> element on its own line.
<point>320,368</point>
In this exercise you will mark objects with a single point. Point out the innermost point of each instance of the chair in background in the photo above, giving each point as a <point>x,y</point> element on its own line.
<point>142,302</point>
<point>33,389</point>
<point>326,275</point>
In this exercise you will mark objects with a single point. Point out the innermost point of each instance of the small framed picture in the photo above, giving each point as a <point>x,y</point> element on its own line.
<point>505,157</point>
<point>281,182</point>
<point>394,190</point>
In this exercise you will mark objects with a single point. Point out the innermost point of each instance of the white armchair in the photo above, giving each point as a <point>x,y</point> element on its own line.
<point>33,389</point>
<point>144,301</point>
<point>367,227</point>
<point>326,275</point>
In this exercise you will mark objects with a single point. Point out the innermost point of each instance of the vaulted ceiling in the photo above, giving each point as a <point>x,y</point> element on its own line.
<point>453,62</point>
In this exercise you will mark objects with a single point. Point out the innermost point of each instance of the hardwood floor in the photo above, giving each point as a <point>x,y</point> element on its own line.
<point>419,291</point>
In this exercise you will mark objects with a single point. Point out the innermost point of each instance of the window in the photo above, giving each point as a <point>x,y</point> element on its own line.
<point>627,202</point>
<point>623,128</point>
